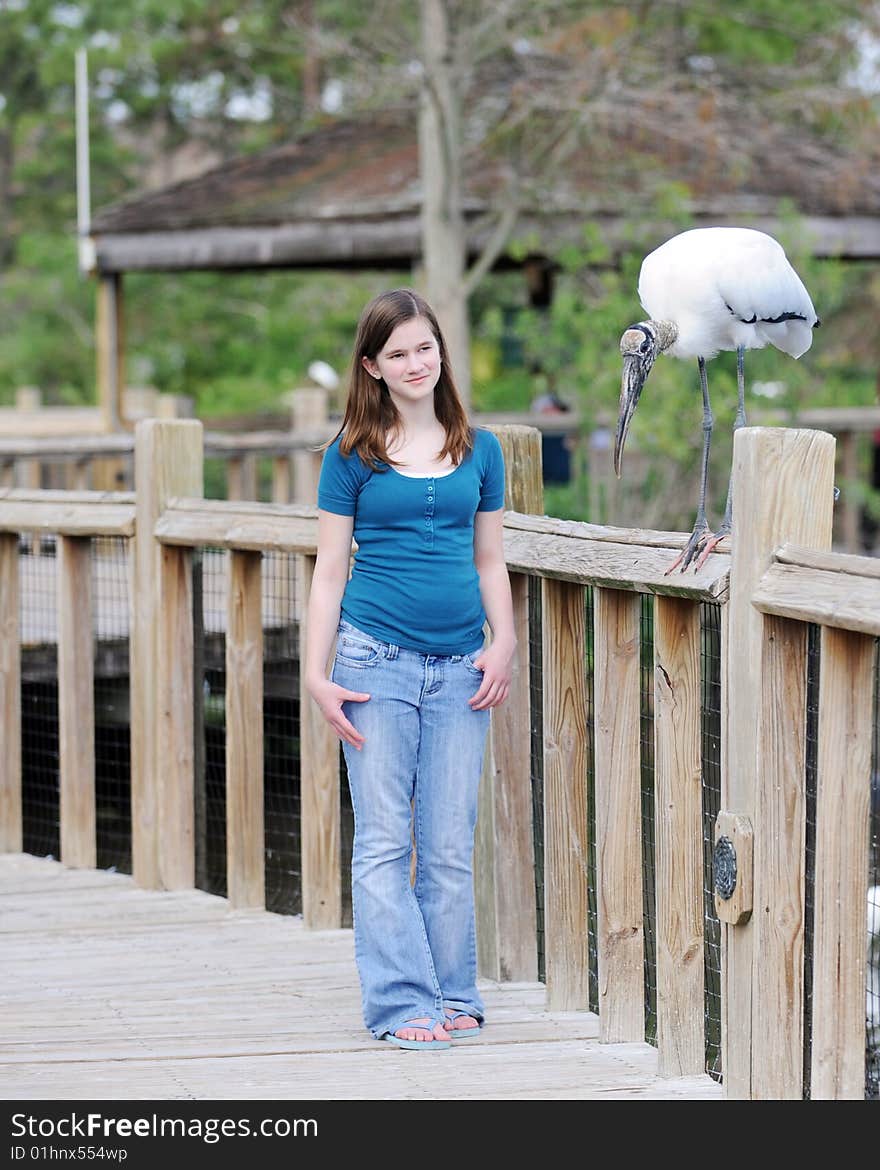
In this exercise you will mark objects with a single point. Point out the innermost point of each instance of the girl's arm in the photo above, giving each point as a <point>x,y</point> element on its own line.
<point>496,661</point>
<point>322,621</point>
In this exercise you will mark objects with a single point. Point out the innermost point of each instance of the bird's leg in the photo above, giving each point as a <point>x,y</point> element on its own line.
<point>739,421</point>
<point>701,528</point>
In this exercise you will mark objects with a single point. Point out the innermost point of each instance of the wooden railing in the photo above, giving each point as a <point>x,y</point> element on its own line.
<point>65,447</point>
<point>777,578</point>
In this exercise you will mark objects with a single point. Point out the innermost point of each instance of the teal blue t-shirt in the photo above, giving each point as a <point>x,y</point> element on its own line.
<point>414,582</point>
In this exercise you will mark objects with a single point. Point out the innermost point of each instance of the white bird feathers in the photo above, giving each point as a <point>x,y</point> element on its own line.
<point>707,290</point>
<point>725,288</point>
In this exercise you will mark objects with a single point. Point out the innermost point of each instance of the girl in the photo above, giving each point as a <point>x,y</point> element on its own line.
<point>412,683</point>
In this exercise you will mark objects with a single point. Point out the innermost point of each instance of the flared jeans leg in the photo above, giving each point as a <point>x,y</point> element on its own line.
<point>451,750</point>
<point>394,960</point>
<point>417,775</point>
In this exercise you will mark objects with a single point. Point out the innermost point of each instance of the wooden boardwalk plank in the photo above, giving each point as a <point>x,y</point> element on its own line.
<point>111,991</point>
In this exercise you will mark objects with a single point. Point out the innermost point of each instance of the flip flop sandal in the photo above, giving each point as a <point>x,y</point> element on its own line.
<point>416,1045</point>
<point>462,1033</point>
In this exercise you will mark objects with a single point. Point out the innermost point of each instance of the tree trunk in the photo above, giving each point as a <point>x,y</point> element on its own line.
<point>311,73</point>
<point>7,224</point>
<point>443,230</point>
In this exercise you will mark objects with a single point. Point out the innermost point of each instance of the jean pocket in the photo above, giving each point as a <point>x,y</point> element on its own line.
<point>468,660</point>
<point>357,650</point>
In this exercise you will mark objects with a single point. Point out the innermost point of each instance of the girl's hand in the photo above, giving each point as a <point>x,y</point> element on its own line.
<point>330,696</point>
<point>496,663</point>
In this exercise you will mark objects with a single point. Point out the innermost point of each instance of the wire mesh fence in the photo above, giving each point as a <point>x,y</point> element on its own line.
<point>592,904</point>
<point>710,756</point>
<point>536,724</point>
<point>810,794</point>
<point>110,590</point>
<point>646,787</point>
<point>209,637</point>
<point>872,996</point>
<point>281,735</point>
<point>39,697</point>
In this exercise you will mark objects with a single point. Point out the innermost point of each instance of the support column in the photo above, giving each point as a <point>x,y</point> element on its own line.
<point>168,462</point>
<point>504,848</point>
<point>76,703</point>
<point>782,491</point>
<point>110,346</point>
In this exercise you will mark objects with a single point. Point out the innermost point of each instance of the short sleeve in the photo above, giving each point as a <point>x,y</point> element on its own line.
<point>492,485</point>
<point>340,481</point>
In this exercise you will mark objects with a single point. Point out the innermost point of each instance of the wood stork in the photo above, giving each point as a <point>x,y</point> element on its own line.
<point>706,290</point>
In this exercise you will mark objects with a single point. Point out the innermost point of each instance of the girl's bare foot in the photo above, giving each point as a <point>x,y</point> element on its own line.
<point>428,1032</point>
<point>460,1022</point>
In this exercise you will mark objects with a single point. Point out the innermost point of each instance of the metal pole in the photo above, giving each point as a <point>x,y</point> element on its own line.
<point>83,191</point>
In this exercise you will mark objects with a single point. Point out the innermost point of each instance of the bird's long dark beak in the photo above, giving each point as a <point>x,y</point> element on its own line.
<point>635,372</point>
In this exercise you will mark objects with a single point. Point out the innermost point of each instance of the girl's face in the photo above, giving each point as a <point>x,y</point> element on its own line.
<point>409,361</point>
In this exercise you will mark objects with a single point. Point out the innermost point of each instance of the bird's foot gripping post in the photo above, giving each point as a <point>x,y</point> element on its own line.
<point>701,543</point>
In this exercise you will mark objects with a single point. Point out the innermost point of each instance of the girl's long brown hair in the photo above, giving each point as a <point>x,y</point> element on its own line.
<point>370,413</point>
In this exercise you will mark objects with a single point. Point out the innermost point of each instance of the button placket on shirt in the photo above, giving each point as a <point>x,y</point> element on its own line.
<point>429,513</point>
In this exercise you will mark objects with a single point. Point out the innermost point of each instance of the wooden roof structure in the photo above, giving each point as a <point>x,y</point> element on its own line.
<point>348,195</point>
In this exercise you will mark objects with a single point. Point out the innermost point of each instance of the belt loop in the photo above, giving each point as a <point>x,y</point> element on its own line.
<point>392,651</point>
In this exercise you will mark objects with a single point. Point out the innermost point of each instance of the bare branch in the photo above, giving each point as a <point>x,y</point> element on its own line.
<point>494,247</point>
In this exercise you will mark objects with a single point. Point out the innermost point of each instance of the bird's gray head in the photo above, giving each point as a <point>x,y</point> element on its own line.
<point>639,347</point>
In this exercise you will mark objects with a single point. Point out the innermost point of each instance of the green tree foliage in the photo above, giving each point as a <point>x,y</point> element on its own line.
<point>539,77</point>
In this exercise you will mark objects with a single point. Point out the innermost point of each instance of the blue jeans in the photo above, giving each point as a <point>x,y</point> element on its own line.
<point>417,775</point>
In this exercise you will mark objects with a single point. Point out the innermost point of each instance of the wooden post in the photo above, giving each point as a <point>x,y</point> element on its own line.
<point>620,926</point>
<point>140,402</point>
<point>308,412</point>
<point>168,462</point>
<point>842,851</point>
<point>110,347</point>
<point>30,473</point>
<point>678,837</point>
<point>174,406</point>
<point>281,479</point>
<point>79,474</point>
<point>603,484</point>
<point>176,700</point>
<point>245,840</point>
<point>319,795</point>
<point>504,870</point>
<point>10,697</point>
<point>76,703</point>
<point>241,477</point>
<point>567,961</point>
<point>779,861</point>
<point>28,398</point>
<point>234,480</point>
<point>849,471</point>
<point>782,491</point>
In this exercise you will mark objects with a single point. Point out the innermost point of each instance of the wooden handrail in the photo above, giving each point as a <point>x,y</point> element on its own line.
<point>826,588</point>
